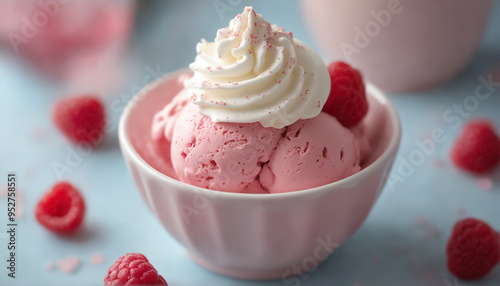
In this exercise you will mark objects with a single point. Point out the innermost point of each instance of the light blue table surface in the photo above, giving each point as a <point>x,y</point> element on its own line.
<point>389,249</point>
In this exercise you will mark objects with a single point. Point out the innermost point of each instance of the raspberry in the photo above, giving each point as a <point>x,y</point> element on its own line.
<point>133,269</point>
<point>347,100</point>
<point>61,209</point>
<point>473,249</point>
<point>477,149</point>
<point>81,119</point>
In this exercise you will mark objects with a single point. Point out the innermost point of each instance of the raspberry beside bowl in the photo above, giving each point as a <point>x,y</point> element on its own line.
<point>253,236</point>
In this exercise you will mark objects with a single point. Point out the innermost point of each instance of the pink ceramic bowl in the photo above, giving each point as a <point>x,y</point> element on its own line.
<point>255,236</point>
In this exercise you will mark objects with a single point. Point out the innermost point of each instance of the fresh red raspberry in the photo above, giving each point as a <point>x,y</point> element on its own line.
<point>477,149</point>
<point>347,100</point>
<point>61,209</point>
<point>81,119</point>
<point>133,269</point>
<point>473,249</point>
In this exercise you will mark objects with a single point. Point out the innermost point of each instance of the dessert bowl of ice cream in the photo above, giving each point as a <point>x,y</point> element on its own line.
<point>239,162</point>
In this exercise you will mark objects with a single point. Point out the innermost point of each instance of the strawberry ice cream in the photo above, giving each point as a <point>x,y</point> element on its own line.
<point>312,153</point>
<point>220,156</point>
<point>250,118</point>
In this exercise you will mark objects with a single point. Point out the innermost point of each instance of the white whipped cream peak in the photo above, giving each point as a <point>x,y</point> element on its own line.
<point>257,72</point>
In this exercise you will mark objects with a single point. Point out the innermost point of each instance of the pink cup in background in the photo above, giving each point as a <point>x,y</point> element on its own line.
<point>400,45</point>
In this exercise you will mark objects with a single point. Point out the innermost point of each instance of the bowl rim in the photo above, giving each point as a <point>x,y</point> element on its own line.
<point>128,148</point>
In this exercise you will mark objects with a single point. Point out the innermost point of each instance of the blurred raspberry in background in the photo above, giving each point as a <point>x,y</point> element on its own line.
<point>79,42</point>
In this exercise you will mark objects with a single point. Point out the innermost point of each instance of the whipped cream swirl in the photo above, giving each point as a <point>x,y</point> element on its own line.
<point>257,72</point>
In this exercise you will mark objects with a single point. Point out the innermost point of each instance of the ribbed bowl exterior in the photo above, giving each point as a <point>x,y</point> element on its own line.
<point>259,236</point>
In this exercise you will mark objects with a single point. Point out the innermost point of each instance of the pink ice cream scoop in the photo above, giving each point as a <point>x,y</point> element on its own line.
<point>313,152</point>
